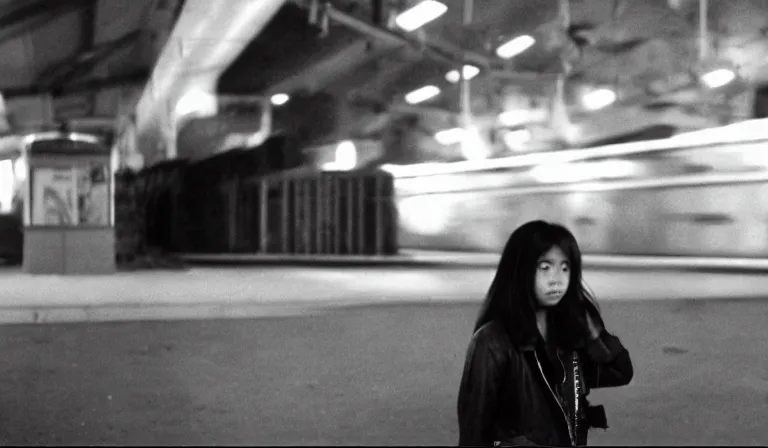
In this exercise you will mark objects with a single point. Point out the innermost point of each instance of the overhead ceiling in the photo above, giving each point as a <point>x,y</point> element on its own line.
<point>50,49</point>
<point>356,71</point>
<point>644,50</point>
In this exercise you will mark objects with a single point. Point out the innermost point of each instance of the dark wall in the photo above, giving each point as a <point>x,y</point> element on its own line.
<point>308,118</point>
<point>760,108</point>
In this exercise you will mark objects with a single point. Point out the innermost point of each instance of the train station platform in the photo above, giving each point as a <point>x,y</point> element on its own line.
<point>237,291</point>
<point>377,347</point>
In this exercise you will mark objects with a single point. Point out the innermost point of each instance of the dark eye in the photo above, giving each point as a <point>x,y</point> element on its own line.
<point>566,267</point>
<point>543,266</point>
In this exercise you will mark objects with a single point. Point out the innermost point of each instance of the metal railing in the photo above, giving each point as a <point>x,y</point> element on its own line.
<point>329,213</point>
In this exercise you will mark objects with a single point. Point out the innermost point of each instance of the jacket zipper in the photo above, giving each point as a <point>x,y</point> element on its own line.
<point>565,416</point>
<point>577,388</point>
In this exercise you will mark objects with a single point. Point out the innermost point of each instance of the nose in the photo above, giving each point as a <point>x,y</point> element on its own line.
<point>558,278</point>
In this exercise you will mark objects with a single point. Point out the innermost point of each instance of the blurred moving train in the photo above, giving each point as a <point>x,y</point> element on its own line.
<point>702,194</point>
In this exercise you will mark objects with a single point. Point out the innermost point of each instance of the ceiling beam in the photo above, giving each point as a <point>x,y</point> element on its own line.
<point>81,65</point>
<point>138,77</point>
<point>379,33</point>
<point>319,75</point>
<point>17,20</point>
<point>88,18</point>
<point>432,47</point>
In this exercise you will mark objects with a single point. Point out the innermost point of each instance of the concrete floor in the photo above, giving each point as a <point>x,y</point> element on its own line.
<point>241,292</point>
<point>383,375</point>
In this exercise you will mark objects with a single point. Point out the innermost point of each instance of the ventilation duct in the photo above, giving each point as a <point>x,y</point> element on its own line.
<point>207,37</point>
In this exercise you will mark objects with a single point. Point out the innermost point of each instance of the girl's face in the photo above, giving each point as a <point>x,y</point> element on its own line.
<point>553,275</point>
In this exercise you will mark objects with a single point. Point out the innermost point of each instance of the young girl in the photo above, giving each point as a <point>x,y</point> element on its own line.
<point>539,346</point>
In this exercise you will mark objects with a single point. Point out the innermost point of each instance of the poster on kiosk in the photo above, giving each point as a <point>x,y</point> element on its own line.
<point>69,227</point>
<point>71,196</point>
<point>54,200</point>
<point>93,203</point>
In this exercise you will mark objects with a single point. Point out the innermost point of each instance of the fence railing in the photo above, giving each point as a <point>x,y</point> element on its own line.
<point>184,209</point>
<point>344,213</point>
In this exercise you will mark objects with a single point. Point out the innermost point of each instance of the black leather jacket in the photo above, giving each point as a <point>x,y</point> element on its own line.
<point>505,400</point>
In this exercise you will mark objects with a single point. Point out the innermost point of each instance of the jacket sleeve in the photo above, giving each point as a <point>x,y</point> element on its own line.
<point>478,393</point>
<point>607,362</point>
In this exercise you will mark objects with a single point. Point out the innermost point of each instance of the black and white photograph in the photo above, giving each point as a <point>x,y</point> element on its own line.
<point>491,223</point>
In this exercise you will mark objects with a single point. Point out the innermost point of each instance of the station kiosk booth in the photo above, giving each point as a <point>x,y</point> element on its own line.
<point>68,209</point>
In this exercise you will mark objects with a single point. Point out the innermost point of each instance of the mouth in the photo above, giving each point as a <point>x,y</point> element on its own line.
<point>555,293</point>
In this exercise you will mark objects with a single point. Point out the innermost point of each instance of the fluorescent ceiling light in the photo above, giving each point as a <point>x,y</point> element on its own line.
<point>718,78</point>
<point>513,117</point>
<point>598,99</point>
<point>516,139</point>
<point>470,71</point>
<point>422,94</point>
<point>421,14</point>
<point>346,155</point>
<point>517,117</point>
<point>279,99</point>
<point>515,46</point>
<point>450,136</point>
<point>196,101</point>
<point>473,147</point>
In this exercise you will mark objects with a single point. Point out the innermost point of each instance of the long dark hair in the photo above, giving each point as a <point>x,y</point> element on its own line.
<point>511,299</point>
